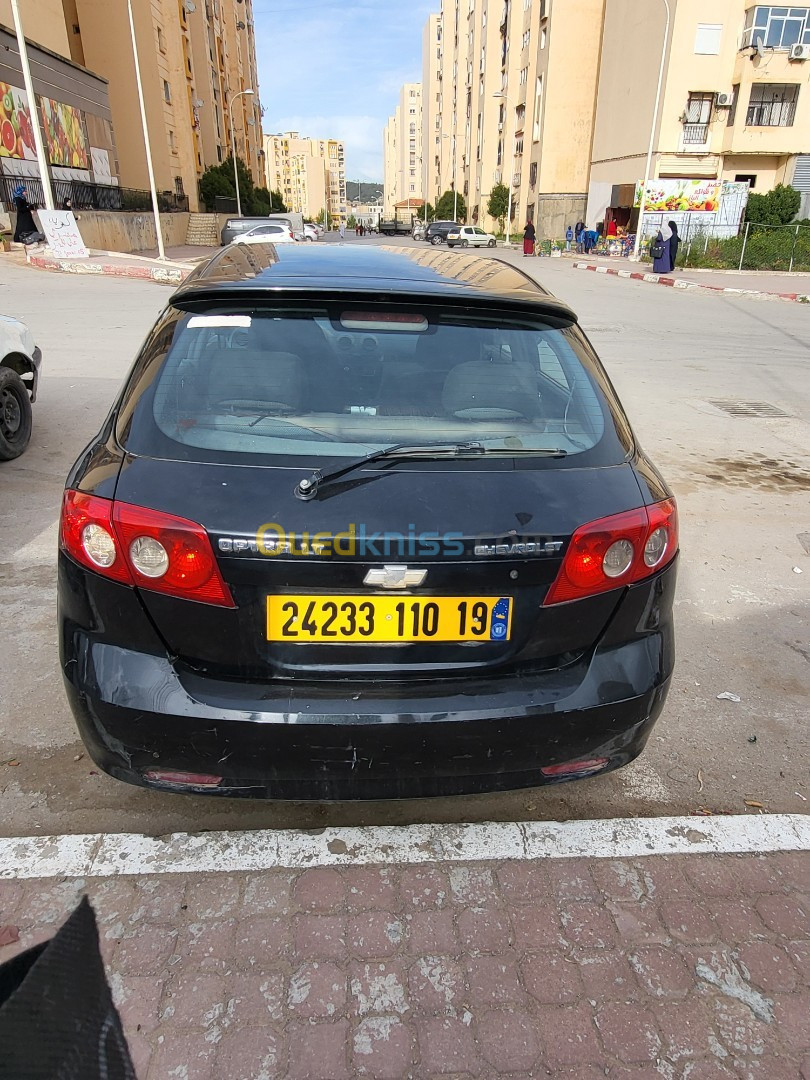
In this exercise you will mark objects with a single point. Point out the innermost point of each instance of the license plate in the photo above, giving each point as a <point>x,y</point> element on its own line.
<point>388,619</point>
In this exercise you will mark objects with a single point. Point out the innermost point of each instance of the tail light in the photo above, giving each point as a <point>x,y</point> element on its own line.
<point>141,547</point>
<point>615,551</point>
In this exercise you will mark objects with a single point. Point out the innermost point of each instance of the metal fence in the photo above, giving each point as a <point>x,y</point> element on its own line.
<point>83,195</point>
<point>781,248</point>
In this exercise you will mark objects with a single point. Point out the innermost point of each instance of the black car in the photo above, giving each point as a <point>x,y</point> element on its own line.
<point>365,523</point>
<point>436,232</point>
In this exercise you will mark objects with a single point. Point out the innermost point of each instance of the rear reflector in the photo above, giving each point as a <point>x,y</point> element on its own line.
<point>189,779</point>
<point>383,320</point>
<point>615,551</point>
<point>576,768</point>
<point>147,548</point>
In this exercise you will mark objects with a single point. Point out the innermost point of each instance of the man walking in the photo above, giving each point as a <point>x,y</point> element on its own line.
<point>342,230</point>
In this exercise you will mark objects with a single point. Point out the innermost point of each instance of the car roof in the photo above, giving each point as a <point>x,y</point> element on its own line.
<point>387,270</point>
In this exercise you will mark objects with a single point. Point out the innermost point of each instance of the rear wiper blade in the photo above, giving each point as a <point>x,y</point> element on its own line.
<point>308,487</point>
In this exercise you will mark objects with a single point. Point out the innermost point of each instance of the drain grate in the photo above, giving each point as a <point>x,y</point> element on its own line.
<point>756,409</point>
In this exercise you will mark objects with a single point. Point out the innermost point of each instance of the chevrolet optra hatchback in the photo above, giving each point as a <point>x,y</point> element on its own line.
<point>365,523</point>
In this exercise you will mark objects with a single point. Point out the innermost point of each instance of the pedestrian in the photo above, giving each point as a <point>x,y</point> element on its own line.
<point>342,230</point>
<point>569,236</point>
<point>613,228</point>
<point>674,244</point>
<point>529,237</point>
<point>660,250</point>
<point>26,226</point>
<point>579,231</point>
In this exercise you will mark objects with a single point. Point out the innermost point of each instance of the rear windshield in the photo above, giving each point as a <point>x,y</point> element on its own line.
<point>283,382</point>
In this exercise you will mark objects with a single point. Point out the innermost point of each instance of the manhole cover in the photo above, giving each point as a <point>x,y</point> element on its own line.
<point>749,408</point>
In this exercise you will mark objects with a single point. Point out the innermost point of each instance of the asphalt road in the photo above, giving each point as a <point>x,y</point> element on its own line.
<point>743,625</point>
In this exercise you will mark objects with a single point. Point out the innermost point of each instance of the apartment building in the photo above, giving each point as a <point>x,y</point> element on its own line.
<point>502,106</point>
<point>196,58</point>
<point>735,103</point>
<point>309,173</point>
<point>402,149</point>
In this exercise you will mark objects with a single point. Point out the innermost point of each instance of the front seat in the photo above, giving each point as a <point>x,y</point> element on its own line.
<point>275,381</point>
<point>492,390</point>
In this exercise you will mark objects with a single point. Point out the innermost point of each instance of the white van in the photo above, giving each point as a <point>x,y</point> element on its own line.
<point>294,220</point>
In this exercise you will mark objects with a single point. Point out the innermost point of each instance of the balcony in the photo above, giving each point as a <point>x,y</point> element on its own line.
<point>695,134</point>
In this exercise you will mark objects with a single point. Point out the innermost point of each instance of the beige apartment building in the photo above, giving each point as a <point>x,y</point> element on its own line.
<point>195,56</point>
<point>309,173</point>
<point>402,149</point>
<point>503,106</point>
<point>735,103</point>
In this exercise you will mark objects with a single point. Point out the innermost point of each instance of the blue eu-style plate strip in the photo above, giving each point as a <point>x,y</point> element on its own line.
<point>499,623</point>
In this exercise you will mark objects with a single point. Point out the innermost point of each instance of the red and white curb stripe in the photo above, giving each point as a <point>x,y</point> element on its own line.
<point>676,283</point>
<point>162,275</point>
<point>114,854</point>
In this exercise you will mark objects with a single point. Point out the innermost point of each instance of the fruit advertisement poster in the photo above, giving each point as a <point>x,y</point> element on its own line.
<point>16,132</point>
<point>64,134</point>
<point>681,196</point>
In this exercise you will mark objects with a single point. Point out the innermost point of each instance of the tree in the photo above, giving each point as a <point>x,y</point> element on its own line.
<point>351,222</point>
<point>277,203</point>
<point>217,180</point>
<point>447,203</point>
<point>498,205</point>
<point>778,207</point>
<point>319,217</point>
<point>261,202</point>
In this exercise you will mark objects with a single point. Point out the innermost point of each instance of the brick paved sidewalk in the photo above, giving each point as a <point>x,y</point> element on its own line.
<point>679,966</point>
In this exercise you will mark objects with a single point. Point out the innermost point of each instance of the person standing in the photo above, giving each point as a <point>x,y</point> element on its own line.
<point>674,244</point>
<point>569,236</point>
<point>342,230</point>
<point>529,237</point>
<point>613,228</point>
<point>660,250</point>
<point>579,230</point>
<point>26,226</point>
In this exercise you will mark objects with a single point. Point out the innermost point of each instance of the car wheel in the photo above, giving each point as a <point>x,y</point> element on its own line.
<point>465,243</point>
<point>490,243</point>
<point>435,240</point>
<point>15,415</point>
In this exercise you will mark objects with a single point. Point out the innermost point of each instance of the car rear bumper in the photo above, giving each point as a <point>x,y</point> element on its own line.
<point>138,712</point>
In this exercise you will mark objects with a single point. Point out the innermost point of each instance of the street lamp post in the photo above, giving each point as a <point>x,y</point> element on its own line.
<point>643,198</point>
<point>241,93</point>
<point>147,146</point>
<point>29,89</point>
<point>508,240</point>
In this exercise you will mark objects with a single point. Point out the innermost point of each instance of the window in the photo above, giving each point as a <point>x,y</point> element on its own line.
<point>413,93</point>
<point>524,74</point>
<point>413,187</point>
<point>161,40</point>
<point>746,178</point>
<point>697,117</point>
<point>732,112</point>
<point>506,381</point>
<point>412,112</point>
<point>772,105</point>
<point>777,27</point>
<point>526,37</point>
<point>520,117</point>
<point>538,109</point>
<point>172,145</point>
<point>519,145</point>
<point>543,38</point>
<point>167,91</point>
<point>533,174</point>
<point>707,39</point>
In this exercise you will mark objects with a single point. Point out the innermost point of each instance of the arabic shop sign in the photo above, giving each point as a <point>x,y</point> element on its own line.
<point>680,196</point>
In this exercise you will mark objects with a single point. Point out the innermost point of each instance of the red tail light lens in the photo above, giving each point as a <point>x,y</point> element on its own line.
<point>147,548</point>
<point>615,551</point>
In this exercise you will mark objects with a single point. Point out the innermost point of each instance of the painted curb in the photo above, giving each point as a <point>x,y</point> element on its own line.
<point>159,274</point>
<point>114,854</point>
<point>658,279</point>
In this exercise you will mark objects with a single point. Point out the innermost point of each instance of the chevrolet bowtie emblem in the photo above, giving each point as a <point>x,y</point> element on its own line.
<point>394,577</point>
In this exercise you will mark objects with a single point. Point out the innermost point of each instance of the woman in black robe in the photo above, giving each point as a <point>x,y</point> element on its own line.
<point>25,219</point>
<point>674,241</point>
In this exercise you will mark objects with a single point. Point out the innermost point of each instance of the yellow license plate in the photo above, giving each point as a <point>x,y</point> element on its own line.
<point>388,619</point>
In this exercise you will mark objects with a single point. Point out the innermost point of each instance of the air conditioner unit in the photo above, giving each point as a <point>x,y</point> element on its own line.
<point>799,52</point>
<point>723,101</point>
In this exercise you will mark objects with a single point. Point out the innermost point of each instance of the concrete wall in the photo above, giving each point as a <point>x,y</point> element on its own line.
<point>109,231</point>
<point>42,22</point>
<point>555,213</point>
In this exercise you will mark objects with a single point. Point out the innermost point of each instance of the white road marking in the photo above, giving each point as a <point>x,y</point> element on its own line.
<point>113,854</point>
<point>41,549</point>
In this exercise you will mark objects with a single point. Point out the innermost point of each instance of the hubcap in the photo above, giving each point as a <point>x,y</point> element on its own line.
<point>10,414</point>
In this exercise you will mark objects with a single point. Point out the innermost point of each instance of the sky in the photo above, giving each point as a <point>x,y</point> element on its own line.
<point>333,70</point>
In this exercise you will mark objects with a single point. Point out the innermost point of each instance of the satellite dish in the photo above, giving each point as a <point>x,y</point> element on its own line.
<point>190,6</point>
<point>760,49</point>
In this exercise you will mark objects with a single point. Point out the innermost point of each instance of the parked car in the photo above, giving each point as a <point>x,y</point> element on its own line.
<point>20,361</point>
<point>436,232</point>
<point>418,231</point>
<point>310,231</point>
<point>235,226</point>
<point>395,538</point>
<point>470,236</point>
<point>266,234</point>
